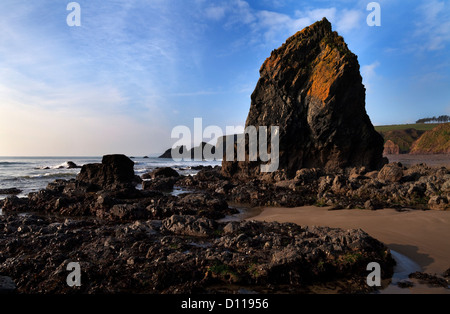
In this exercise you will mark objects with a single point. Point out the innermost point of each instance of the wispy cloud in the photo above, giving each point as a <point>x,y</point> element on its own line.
<point>96,81</point>
<point>215,12</point>
<point>433,26</point>
<point>350,20</point>
<point>268,27</point>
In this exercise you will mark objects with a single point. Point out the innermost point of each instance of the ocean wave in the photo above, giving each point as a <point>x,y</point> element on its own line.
<point>49,175</point>
<point>64,165</point>
<point>11,163</point>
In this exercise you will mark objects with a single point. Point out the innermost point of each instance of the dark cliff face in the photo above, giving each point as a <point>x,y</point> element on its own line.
<point>312,89</point>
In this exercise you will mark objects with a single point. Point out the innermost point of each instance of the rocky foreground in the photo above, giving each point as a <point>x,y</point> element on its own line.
<point>148,241</point>
<point>182,254</point>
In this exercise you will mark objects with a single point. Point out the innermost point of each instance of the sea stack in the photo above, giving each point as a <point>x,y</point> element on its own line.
<point>311,87</point>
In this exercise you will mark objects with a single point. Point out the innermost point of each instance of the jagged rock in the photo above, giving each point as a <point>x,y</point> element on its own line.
<point>439,202</point>
<point>430,279</point>
<point>312,89</point>
<point>183,254</point>
<point>114,172</point>
<point>190,225</point>
<point>392,172</point>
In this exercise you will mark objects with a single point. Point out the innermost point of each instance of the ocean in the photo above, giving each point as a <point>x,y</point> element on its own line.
<point>31,174</point>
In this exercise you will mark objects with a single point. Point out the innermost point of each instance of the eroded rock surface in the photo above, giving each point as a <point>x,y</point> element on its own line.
<point>183,254</point>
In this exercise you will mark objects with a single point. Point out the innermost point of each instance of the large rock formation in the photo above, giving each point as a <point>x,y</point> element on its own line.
<point>312,89</point>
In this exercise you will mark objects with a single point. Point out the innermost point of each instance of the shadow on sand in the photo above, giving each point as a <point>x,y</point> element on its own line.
<point>412,252</point>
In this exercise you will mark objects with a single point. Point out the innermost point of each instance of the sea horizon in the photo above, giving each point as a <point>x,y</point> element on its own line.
<point>33,173</point>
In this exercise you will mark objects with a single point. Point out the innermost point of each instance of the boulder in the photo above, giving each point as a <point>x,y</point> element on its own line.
<point>72,165</point>
<point>115,171</point>
<point>439,202</point>
<point>159,184</point>
<point>311,88</point>
<point>165,172</point>
<point>190,225</point>
<point>392,172</point>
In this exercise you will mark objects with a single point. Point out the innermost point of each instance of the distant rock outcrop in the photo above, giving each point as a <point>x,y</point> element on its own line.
<point>72,165</point>
<point>390,148</point>
<point>312,89</point>
<point>168,153</point>
<point>435,141</point>
<point>196,153</point>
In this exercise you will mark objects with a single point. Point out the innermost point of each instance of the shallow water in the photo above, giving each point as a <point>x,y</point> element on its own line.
<point>431,160</point>
<point>244,212</point>
<point>404,267</point>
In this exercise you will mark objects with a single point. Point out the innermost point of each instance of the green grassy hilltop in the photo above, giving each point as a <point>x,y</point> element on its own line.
<point>405,135</point>
<point>400,127</point>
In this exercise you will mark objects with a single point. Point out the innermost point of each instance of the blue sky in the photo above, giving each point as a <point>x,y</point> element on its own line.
<point>133,70</point>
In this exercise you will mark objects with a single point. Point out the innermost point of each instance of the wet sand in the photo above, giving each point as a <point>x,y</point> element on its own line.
<point>431,160</point>
<point>422,236</point>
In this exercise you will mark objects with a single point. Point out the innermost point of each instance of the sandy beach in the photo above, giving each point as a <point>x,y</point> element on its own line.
<point>422,236</point>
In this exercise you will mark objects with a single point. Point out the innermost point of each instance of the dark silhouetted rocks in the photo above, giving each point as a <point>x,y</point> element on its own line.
<point>195,153</point>
<point>165,172</point>
<point>72,165</point>
<point>184,254</point>
<point>168,153</point>
<point>10,191</point>
<point>115,171</point>
<point>432,280</point>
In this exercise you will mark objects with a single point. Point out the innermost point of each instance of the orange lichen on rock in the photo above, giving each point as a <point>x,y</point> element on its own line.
<point>323,76</point>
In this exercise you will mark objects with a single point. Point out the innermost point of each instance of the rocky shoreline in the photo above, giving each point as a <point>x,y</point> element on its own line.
<point>146,241</point>
<point>394,186</point>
